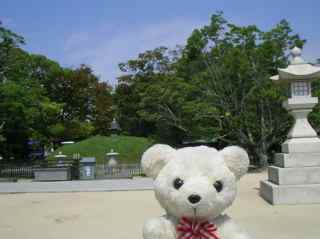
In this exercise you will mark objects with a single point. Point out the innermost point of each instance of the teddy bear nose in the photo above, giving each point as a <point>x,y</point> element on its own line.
<point>194,198</point>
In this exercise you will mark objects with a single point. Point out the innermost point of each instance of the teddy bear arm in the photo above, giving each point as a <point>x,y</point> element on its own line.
<point>159,228</point>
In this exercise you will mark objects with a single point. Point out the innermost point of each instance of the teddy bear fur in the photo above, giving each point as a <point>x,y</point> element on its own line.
<point>199,168</point>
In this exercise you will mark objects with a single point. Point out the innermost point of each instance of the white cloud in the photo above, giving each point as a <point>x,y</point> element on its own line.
<point>105,47</point>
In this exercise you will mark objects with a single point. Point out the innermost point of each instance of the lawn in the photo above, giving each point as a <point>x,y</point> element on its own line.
<point>129,148</point>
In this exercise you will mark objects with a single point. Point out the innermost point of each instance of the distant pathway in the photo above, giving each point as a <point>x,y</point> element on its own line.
<point>78,186</point>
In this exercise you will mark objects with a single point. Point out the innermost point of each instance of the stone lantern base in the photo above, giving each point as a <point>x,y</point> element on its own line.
<point>295,178</point>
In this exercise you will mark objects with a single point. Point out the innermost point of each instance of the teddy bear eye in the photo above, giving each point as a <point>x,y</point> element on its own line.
<point>177,183</point>
<point>218,186</point>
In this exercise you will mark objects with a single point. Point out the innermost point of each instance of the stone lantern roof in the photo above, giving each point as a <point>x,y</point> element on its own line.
<point>60,155</point>
<point>297,70</point>
<point>112,153</point>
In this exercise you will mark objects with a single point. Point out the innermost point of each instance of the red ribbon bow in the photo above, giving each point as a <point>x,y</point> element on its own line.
<point>188,229</point>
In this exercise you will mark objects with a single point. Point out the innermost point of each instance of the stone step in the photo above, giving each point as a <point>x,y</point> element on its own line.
<point>301,145</point>
<point>297,160</point>
<point>293,176</point>
<point>290,194</point>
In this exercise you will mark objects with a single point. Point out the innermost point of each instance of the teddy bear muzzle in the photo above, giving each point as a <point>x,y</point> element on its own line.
<point>194,198</point>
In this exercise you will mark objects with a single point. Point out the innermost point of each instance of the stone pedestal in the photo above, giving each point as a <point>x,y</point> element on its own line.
<point>295,179</point>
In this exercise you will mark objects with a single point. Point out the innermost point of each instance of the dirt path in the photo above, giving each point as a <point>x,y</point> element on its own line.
<point>120,215</point>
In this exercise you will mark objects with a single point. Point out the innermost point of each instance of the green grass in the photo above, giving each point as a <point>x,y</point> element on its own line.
<point>129,148</point>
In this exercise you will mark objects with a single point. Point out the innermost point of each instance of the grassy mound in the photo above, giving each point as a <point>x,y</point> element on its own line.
<point>129,148</point>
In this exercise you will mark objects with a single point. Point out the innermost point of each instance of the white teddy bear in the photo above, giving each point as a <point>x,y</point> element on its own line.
<point>194,185</point>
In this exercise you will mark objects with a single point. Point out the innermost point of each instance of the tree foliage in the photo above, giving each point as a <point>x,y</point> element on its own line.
<point>42,101</point>
<point>217,86</point>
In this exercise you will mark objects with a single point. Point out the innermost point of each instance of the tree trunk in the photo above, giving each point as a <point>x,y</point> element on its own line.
<point>263,160</point>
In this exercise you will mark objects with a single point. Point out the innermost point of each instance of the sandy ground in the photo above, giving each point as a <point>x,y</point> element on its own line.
<point>120,215</point>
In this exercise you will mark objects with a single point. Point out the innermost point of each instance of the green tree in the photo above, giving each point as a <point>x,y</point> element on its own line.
<point>24,107</point>
<point>43,101</point>
<point>103,108</point>
<point>8,40</point>
<point>87,103</point>
<point>216,86</point>
<point>158,102</point>
<point>234,65</point>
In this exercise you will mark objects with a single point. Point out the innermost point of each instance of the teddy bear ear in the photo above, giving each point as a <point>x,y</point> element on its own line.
<point>236,159</point>
<point>155,158</point>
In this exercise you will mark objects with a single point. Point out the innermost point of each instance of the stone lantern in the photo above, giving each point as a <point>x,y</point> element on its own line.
<point>115,127</point>
<point>112,157</point>
<point>295,178</point>
<point>60,158</point>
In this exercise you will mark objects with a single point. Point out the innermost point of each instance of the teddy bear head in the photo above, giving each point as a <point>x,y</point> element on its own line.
<point>195,182</point>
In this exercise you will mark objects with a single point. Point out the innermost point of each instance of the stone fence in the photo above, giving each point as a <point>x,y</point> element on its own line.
<point>103,171</point>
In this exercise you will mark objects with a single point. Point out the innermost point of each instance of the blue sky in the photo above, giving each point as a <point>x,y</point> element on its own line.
<point>102,33</point>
